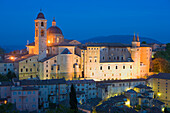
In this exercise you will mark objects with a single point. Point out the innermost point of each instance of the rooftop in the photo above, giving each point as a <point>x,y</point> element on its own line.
<point>160,76</point>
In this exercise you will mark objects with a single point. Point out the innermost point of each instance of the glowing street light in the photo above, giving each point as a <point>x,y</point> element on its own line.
<point>12,58</point>
<point>159,94</point>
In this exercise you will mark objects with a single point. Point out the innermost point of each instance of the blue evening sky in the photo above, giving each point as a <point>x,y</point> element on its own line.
<point>83,19</point>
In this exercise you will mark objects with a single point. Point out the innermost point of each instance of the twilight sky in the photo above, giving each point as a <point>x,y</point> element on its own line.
<point>83,19</point>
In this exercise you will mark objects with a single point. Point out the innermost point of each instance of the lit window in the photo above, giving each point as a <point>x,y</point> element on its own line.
<point>42,32</point>
<point>130,66</point>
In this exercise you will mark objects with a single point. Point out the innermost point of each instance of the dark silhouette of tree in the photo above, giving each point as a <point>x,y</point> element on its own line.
<point>73,99</point>
<point>11,75</point>
<point>144,42</point>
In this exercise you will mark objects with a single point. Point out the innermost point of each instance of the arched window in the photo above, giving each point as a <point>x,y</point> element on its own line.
<point>36,33</point>
<point>42,23</point>
<point>42,32</point>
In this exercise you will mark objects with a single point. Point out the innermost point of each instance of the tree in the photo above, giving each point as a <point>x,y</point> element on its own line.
<point>160,65</point>
<point>73,99</point>
<point>2,51</point>
<point>11,75</point>
<point>144,42</point>
<point>3,78</point>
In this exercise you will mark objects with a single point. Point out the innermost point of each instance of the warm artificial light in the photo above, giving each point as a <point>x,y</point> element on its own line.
<point>159,94</point>
<point>5,102</point>
<point>48,41</point>
<point>12,58</point>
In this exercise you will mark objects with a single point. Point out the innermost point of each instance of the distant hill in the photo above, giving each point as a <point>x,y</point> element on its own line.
<point>126,39</point>
<point>12,48</point>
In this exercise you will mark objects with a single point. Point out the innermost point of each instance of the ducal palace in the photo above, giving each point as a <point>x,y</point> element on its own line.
<point>52,56</point>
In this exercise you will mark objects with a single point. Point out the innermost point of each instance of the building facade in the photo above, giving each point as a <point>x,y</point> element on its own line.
<point>53,56</point>
<point>160,85</point>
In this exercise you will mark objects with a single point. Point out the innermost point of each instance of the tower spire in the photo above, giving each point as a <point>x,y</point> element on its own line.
<point>53,22</point>
<point>134,38</point>
<point>138,37</point>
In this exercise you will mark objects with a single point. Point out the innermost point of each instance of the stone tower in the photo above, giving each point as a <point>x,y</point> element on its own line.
<point>135,54</point>
<point>40,36</point>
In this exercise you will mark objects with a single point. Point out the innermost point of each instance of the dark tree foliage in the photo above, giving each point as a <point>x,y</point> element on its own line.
<point>2,51</point>
<point>3,78</point>
<point>8,76</point>
<point>164,54</point>
<point>144,42</point>
<point>11,75</point>
<point>73,99</point>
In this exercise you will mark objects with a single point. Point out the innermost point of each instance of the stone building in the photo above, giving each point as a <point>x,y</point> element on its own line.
<point>53,56</point>
<point>160,85</point>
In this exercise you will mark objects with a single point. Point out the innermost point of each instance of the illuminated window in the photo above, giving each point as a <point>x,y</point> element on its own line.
<point>90,68</point>
<point>130,66</point>
<point>42,32</point>
<point>42,23</point>
<point>120,74</point>
<point>92,74</point>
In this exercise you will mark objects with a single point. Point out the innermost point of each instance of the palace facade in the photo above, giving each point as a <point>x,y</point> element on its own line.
<point>53,56</point>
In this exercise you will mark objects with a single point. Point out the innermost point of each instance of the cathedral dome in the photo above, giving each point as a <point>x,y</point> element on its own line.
<point>40,16</point>
<point>54,30</point>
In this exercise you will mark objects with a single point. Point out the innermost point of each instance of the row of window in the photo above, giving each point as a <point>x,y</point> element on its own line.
<point>116,58</point>
<point>117,49</point>
<point>9,64</point>
<point>93,48</point>
<point>24,92</point>
<point>116,67</point>
<point>27,69</point>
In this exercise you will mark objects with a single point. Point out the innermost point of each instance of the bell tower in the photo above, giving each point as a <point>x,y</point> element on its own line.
<point>40,36</point>
<point>135,55</point>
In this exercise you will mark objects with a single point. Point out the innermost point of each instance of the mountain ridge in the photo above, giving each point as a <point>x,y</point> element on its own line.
<point>126,39</point>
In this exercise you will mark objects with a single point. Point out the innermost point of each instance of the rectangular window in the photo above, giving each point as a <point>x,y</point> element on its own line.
<point>108,67</point>
<point>100,67</point>
<point>123,67</point>
<point>130,66</point>
<point>58,68</point>
<point>116,67</point>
